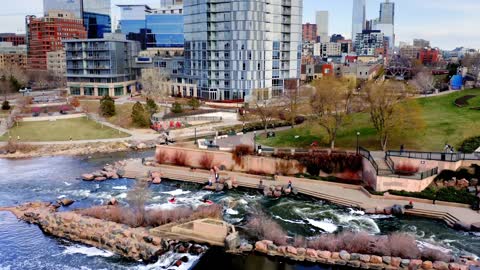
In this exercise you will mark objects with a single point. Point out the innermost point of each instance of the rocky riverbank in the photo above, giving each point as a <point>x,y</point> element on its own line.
<point>74,149</point>
<point>355,260</point>
<point>132,243</point>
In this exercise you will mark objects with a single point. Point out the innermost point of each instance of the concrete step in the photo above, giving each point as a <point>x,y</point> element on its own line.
<point>447,217</point>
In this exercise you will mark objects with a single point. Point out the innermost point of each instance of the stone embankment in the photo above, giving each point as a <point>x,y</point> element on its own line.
<point>355,260</point>
<point>109,171</point>
<point>132,243</point>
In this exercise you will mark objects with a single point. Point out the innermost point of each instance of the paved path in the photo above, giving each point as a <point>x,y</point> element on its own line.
<point>346,195</point>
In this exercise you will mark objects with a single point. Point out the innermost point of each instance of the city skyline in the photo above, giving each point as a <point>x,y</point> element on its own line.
<point>445,23</point>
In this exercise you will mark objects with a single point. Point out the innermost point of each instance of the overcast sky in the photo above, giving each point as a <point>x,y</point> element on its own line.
<point>446,23</point>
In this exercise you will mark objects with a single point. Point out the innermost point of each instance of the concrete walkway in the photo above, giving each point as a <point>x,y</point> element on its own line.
<point>342,194</point>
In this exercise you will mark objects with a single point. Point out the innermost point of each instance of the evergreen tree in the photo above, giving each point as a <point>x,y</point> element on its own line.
<point>194,103</point>
<point>140,117</point>
<point>151,106</point>
<point>107,106</point>
<point>6,105</point>
<point>177,107</point>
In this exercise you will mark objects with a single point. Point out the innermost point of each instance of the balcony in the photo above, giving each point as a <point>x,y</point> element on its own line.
<point>97,48</point>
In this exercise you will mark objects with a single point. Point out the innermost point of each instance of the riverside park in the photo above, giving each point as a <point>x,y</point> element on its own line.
<point>102,193</point>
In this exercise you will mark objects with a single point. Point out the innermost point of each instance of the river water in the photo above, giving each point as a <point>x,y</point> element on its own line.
<point>24,246</point>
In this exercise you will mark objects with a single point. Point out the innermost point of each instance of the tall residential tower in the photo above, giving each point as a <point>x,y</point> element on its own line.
<point>358,18</point>
<point>233,47</point>
<point>322,26</point>
<point>386,23</point>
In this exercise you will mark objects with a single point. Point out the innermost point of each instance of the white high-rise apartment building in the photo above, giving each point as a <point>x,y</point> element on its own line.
<point>322,26</point>
<point>358,18</point>
<point>235,46</point>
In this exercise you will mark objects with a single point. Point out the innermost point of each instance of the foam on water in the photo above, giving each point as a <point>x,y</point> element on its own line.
<point>230,211</point>
<point>122,196</point>
<point>325,225</point>
<point>67,183</point>
<point>61,196</point>
<point>176,192</point>
<point>367,222</point>
<point>120,188</point>
<point>380,216</point>
<point>88,251</point>
<point>168,259</point>
<point>356,212</point>
<point>287,220</point>
<point>425,245</point>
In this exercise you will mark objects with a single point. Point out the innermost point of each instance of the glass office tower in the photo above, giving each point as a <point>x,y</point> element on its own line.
<point>153,28</point>
<point>234,47</point>
<point>358,18</point>
<point>94,13</point>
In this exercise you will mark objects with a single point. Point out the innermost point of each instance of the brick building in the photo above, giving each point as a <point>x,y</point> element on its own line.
<point>12,55</point>
<point>429,56</point>
<point>309,32</point>
<point>13,38</point>
<point>46,35</point>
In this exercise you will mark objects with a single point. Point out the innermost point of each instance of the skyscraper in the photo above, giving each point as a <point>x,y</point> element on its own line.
<point>322,25</point>
<point>386,23</point>
<point>95,14</point>
<point>387,12</point>
<point>358,18</point>
<point>234,47</point>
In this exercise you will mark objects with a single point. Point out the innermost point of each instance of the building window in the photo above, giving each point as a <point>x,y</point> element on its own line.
<point>75,91</point>
<point>102,91</point>
<point>119,91</point>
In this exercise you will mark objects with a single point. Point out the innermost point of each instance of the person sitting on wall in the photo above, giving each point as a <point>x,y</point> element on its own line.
<point>289,184</point>
<point>409,205</point>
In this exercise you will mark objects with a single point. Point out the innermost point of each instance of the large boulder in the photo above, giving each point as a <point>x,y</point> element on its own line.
<point>66,202</point>
<point>292,250</point>
<point>398,210</point>
<point>157,180</point>
<point>376,259</point>
<point>473,182</point>
<point>415,264</point>
<point>277,194</point>
<point>228,184</point>
<point>439,265</point>
<point>100,178</point>
<point>246,247</point>
<point>112,201</point>
<point>365,258</point>
<point>88,177</point>
<point>324,254</point>
<point>344,255</point>
<point>261,247</point>
<point>427,265</point>
<point>464,183</point>
<point>311,253</point>
<point>395,261</point>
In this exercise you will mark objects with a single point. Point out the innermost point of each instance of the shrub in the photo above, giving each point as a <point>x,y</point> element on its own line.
<point>151,218</point>
<point>180,159</point>
<point>282,167</point>
<point>177,108</point>
<point>12,147</point>
<point>6,105</point>
<point>140,117</point>
<point>428,254</point>
<point>317,161</point>
<point>75,102</point>
<point>406,169</point>
<point>299,241</point>
<point>151,107</point>
<point>194,103</point>
<point>403,245</point>
<point>448,194</point>
<point>107,106</point>
<point>206,161</point>
<point>240,151</point>
<point>161,157</point>
<point>470,145</point>
<point>263,227</point>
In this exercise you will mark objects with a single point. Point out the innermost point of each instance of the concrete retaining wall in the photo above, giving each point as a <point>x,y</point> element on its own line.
<point>385,183</point>
<point>53,118</point>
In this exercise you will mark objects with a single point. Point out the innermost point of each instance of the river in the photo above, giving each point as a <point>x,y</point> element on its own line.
<point>24,246</point>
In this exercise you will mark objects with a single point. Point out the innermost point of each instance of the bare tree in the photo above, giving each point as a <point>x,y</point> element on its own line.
<point>291,100</point>
<point>153,81</point>
<point>331,104</point>
<point>266,112</point>
<point>424,81</point>
<point>388,115</point>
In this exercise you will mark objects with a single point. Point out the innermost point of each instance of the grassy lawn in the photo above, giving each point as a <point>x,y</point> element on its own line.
<point>62,130</point>
<point>122,117</point>
<point>444,123</point>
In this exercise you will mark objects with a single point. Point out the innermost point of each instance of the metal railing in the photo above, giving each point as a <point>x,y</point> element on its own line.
<point>438,156</point>
<point>390,163</point>
<point>366,154</point>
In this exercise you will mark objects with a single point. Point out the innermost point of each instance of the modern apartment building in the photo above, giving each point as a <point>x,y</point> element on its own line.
<point>154,28</point>
<point>421,43</point>
<point>309,32</point>
<point>13,38</point>
<point>369,43</point>
<point>11,55</point>
<point>331,49</point>
<point>322,26</point>
<point>99,67</point>
<point>387,12</point>
<point>410,51</point>
<point>358,18</point>
<point>234,47</point>
<point>429,56</point>
<point>386,23</point>
<point>46,34</point>
<point>56,63</point>
<point>95,14</point>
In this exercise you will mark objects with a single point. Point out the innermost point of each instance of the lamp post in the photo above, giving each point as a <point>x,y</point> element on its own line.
<point>358,146</point>
<point>254,141</point>
<point>195,132</point>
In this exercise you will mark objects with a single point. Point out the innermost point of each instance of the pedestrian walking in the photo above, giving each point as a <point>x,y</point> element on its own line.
<point>402,148</point>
